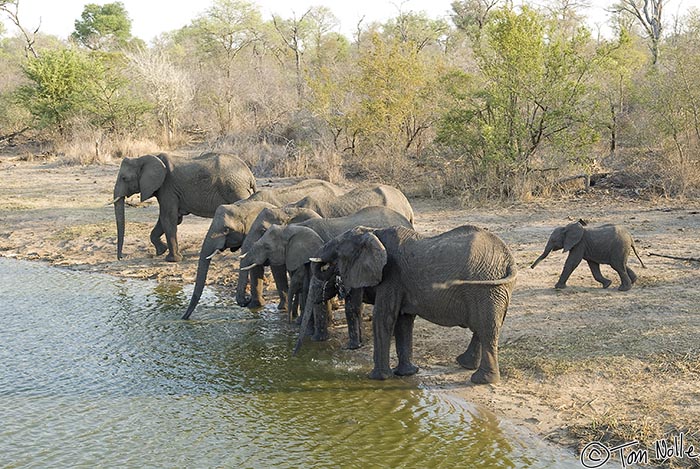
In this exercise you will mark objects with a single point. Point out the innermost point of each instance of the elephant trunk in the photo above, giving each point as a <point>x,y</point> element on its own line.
<point>202,270</point>
<point>119,216</point>
<point>546,252</point>
<point>241,298</point>
<point>315,295</point>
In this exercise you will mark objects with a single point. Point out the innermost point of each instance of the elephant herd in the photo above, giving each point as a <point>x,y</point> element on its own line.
<point>322,242</point>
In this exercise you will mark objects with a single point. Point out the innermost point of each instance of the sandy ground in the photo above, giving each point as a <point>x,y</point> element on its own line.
<point>578,365</point>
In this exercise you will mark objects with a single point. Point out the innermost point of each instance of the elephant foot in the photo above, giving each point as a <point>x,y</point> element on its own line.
<point>173,258</point>
<point>483,377</point>
<point>606,283</point>
<point>255,304</point>
<point>282,306</point>
<point>242,301</point>
<point>469,361</point>
<point>560,286</point>
<point>380,374</point>
<point>160,248</point>
<point>625,287</point>
<point>353,345</point>
<point>320,337</point>
<point>406,370</point>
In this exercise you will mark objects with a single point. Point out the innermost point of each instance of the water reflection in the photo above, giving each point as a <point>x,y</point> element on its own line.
<point>101,371</point>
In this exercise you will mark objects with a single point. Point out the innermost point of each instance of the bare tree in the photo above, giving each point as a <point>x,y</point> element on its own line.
<point>649,15</point>
<point>11,8</point>
<point>294,33</point>
<point>169,87</point>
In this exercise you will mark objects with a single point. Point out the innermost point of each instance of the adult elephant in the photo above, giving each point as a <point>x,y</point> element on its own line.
<point>182,186</point>
<point>238,226</point>
<point>380,196</point>
<point>232,223</point>
<point>464,277</point>
<point>606,244</point>
<point>293,246</point>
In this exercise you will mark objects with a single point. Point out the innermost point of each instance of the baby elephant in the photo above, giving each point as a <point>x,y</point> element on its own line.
<point>605,244</point>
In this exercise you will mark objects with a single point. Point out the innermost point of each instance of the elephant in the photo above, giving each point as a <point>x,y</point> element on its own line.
<point>232,222</point>
<point>265,219</point>
<point>463,277</point>
<point>290,246</point>
<point>606,244</point>
<point>357,199</point>
<point>293,245</point>
<point>182,186</point>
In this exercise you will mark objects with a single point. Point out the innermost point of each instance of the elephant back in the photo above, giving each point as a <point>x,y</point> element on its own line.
<point>281,196</point>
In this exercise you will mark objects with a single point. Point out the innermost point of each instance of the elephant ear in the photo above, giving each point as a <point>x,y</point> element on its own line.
<point>572,236</point>
<point>300,248</point>
<point>152,176</point>
<point>362,266</point>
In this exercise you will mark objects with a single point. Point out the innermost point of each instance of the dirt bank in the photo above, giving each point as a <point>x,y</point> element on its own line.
<point>578,365</point>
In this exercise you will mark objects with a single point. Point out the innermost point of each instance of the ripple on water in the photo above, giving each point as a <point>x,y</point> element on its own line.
<point>99,371</point>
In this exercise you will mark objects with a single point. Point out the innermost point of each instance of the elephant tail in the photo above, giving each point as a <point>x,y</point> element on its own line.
<point>636,254</point>
<point>511,275</point>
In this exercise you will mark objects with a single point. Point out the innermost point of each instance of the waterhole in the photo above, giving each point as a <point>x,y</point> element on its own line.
<point>101,372</point>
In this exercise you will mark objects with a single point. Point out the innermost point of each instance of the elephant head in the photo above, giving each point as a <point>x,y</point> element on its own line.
<point>144,174</point>
<point>265,219</point>
<point>291,246</point>
<point>563,237</point>
<point>357,256</point>
<point>228,230</point>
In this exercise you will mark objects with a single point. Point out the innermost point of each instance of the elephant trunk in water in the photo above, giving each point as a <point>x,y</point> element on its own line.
<point>119,215</point>
<point>307,315</point>
<point>202,270</point>
<point>547,250</point>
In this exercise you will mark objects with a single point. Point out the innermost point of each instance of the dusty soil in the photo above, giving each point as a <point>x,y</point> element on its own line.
<point>578,365</point>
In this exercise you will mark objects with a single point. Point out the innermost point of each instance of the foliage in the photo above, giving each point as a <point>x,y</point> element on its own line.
<point>103,27</point>
<point>529,94</point>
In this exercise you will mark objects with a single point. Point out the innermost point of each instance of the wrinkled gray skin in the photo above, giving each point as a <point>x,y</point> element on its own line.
<point>357,199</point>
<point>605,244</point>
<point>289,246</point>
<point>281,196</point>
<point>295,244</point>
<point>464,277</point>
<point>227,230</point>
<point>264,220</point>
<point>232,222</point>
<point>182,186</point>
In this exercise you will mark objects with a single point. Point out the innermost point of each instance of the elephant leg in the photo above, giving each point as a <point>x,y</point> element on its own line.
<point>279,273</point>
<point>353,316</point>
<point>570,265</point>
<point>256,275</point>
<point>383,322</point>
<point>168,220</point>
<point>595,270</point>
<point>487,329</point>
<point>156,233</point>
<point>632,274</point>
<point>625,280</point>
<point>472,356</point>
<point>403,332</point>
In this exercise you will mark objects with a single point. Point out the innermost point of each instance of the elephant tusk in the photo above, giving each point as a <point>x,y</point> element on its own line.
<point>243,256</point>
<point>248,267</point>
<point>325,267</point>
<point>209,257</point>
<point>315,259</point>
<point>114,201</point>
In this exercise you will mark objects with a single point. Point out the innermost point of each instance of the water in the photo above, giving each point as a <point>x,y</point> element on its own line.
<point>99,371</point>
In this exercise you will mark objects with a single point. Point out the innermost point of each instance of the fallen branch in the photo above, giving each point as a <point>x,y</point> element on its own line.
<point>694,259</point>
<point>9,137</point>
